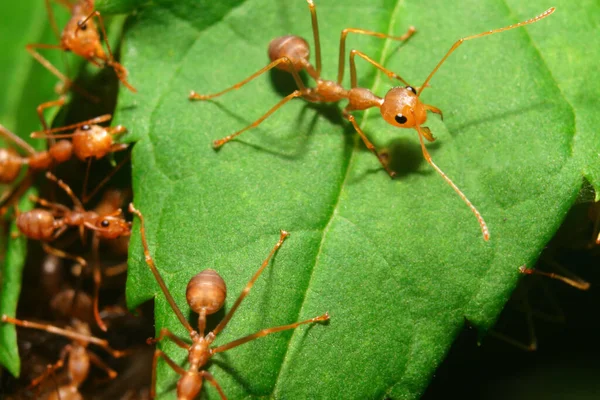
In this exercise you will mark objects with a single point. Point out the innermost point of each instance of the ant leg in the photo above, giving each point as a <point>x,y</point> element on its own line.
<point>370,146</point>
<point>462,40</point>
<point>12,196</point>
<point>195,96</point>
<point>59,253</point>
<point>51,368</point>
<point>282,236</point>
<point>49,133</point>
<point>211,379</point>
<point>40,110</point>
<point>53,206</point>
<point>362,55</point>
<point>172,364</point>
<point>67,189</point>
<point>115,269</point>
<point>220,142</point>
<point>576,283</point>
<point>345,32</point>
<point>268,331</point>
<point>8,135</point>
<point>165,333</point>
<point>115,148</point>
<point>155,272</point>
<point>112,374</point>
<point>66,333</point>
<point>117,67</point>
<point>484,229</point>
<point>316,36</point>
<point>97,275</point>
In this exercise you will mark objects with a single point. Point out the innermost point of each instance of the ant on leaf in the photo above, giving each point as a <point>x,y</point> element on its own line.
<point>205,294</point>
<point>400,107</point>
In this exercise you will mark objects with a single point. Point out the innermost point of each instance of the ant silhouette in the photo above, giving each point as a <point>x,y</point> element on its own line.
<point>205,295</point>
<point>80,36</point>
<point>400,107</point>
<point>49,223</point>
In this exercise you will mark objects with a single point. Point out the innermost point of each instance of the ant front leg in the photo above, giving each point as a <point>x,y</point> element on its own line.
<point>345,32</point>
<point>353,80</point>
<point>172,364</point>
<point>112,374</point>
<point>61,254</point>
<point>211,379</point>
<point>165,333</point>
<point>382,159</point>
<point>51,368</point>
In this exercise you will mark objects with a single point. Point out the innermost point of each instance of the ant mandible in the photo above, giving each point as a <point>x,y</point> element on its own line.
<point>205,295</point>
<point>80,36</point>
<point>400,107</point>
<point>48,224</point>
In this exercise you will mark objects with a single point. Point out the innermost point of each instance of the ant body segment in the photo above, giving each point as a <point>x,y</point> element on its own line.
<point>50,223</point>
<point>80,36</point>
<point>205,295</point>
<point>400,107</point>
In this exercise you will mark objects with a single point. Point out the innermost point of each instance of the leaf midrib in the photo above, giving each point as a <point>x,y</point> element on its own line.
<point>334,211</point>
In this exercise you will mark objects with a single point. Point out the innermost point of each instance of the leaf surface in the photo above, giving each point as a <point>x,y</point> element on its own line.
<point>397,263</point>
<point>25,84</point>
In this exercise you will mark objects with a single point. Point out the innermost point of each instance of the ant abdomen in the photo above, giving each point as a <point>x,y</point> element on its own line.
<point>206,291</point>
<point>61,151</point>
<point>189,386</point>
<point>293,47</point>
<point>36,224</point>
<point>92,141</point>
<point>10,165</point>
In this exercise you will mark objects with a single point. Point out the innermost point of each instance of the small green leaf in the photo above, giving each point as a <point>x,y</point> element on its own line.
<point>398,264</point>
<point>25,84</point>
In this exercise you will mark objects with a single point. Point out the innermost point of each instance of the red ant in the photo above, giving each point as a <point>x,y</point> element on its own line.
<point>400,107</point>
<point>48,224</point>
<point>88,141</point>
<point>80,36</point>
<point>80,357</point>
<point>205,295</point>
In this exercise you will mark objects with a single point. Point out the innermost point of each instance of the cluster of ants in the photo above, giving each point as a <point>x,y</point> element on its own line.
<point>88,140</point>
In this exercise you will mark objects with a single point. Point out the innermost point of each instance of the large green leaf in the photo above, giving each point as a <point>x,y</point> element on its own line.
<point>25,84</point>
<point>398,264</point>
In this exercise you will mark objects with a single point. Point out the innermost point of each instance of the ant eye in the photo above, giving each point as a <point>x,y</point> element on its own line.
<point>83,27</point>
<point>104,223</point>
<point>412,89</point>
<point>86,127</point>
<point>401,119</point>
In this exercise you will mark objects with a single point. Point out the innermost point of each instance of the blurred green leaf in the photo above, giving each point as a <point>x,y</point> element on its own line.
<point>398,264</point>
<point>25,84</point>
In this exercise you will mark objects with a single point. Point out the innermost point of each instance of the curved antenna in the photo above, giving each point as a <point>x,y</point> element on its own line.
<point>67,189</point>
<point>462,40</point>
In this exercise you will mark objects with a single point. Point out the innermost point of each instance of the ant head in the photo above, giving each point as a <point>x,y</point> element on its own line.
<point>401,107</point>
<point>10,165</point>
<point>293,47</point>
<point>93,141</point>
<point>207,291</point>
<point>112,226</point>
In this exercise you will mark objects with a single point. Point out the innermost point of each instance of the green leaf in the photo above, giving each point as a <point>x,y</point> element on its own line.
<point>25,84</point>
<point>398,264</point>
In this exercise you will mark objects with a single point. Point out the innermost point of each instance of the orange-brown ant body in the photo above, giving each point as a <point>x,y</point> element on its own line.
<point>400,107</point>
<point>205,295</point>
<point>48,224</point>
<point>79,356</point>
<point>80,36</point>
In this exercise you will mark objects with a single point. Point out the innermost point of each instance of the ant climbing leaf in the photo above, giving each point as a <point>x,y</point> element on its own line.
<point>397,263</point>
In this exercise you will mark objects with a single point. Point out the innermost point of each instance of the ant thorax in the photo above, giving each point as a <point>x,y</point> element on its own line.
<point>91,141</point>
